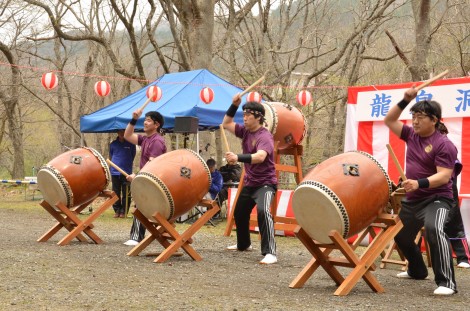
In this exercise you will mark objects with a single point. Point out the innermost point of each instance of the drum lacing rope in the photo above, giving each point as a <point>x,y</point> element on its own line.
<point>164,188</point>
<point>103,163</point>
<point>389,182</point>
<point>335,198</point>
<point>63,182</point>
<point>204,164</point>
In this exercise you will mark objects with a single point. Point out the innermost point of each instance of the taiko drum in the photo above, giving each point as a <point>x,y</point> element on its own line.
<point>286,123</point>
<point>74,178</point>
<point>345,193</point>
<point>171,184</point>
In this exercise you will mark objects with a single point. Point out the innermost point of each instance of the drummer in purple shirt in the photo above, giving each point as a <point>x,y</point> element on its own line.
<point>260,181</point>
<point>430,158</point>
<point>152,145</point>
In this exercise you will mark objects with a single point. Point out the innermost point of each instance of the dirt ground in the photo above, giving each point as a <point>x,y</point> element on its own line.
<point>82,276</point>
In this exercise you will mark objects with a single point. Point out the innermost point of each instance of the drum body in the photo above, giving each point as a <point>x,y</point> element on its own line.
<point>286,123</point>
<point>74,178</point>
<point>344,193</point>
<point>171,184</point>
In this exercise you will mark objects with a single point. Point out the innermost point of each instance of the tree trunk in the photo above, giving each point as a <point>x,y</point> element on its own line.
<point>421,11</point>
<point>13,114</point>
<point>197,19</point>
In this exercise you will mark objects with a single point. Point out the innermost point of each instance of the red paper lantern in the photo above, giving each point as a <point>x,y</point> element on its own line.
<point>154,93</point>
<point>102,88</point>
<point>207,95</point>
<point>253,97</point>
<point>49,80</point>
<point>304,98</point>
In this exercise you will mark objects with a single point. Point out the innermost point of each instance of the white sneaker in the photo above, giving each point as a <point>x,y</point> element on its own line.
<point>131,243</point>
<point>235,248</point>
<point>405,275</point>
<point>269,259</point>
<point>464,265</point>
<point>445,291</point>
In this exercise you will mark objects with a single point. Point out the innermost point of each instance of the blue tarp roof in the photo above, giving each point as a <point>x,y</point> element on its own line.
<point>180,98</point>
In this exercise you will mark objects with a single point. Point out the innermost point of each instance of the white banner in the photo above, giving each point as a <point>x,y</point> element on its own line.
<point>454,100</point>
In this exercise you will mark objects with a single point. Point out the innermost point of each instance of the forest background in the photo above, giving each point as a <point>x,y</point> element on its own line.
<point>323,46</point>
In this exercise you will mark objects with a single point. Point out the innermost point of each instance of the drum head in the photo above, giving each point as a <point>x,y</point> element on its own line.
<point>151,195</point>
<point>270,116</point>
<point>53,186</point>
<point>318,211</point>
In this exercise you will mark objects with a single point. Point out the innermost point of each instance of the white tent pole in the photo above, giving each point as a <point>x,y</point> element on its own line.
<point>197,141</point>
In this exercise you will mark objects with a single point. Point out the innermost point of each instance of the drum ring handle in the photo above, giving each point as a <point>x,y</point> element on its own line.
<point>351,169</point>
<point>76,159</point>
<point>185,172</point>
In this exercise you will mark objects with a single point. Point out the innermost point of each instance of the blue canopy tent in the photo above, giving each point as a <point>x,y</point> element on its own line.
<point>180,98</point>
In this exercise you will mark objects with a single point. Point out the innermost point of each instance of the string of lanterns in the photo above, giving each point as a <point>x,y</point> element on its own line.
<point>102,88</point>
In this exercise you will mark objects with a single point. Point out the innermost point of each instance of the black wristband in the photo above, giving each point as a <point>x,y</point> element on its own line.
<point>245,158</point>
<point>402,104</point>
<point>232,110</point>
<point>423,183</point>
<point>133,122</point>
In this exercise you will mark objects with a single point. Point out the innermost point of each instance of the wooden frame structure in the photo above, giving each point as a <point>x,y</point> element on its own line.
<point>68,219</point>
<point>362,266</point>
<point>163,231</point>
<point>395,202</point>
<point>280,223</point>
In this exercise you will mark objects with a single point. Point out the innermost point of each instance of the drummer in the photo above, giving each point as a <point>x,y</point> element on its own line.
<point>260,182</point>
<point>152,145</point>
<point>430,159</point>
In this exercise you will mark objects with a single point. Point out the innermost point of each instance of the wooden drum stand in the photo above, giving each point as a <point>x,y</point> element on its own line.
<point>68,219</point>
<point>362,266</point>
<point>163,231</point>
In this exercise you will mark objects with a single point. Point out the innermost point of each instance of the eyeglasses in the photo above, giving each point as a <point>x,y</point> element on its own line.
<point>418,116</point>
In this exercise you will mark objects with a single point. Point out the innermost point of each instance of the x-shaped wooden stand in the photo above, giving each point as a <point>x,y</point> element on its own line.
<point>362,266</point>
<point>67,218</point>
<point>163,231</point>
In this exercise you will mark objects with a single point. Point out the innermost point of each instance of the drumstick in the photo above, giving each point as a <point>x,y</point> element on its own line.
<point>253,85</point>
<point>116,167</point>
<point>423,85</point>
<point>397,164</point>
<point>224,138</point>
<point>145,104</point>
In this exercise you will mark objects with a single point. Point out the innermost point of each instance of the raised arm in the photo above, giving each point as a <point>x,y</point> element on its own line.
<point>391,119</point>
<point>228,122</point>
<point>129,134</point>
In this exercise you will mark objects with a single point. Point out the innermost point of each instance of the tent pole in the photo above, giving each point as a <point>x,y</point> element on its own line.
<point>197,141</point>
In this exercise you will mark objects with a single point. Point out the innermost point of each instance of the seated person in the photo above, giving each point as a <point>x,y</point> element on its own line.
<point>231,174</point>
<point>217,180</point>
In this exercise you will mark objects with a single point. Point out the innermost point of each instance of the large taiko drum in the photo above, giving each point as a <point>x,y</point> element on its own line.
<point>171,184</point>
<point>344,193</point>
<point>74,178</point>
<point>286,123</point>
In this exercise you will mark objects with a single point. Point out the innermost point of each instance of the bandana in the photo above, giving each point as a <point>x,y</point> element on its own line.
<point>253,112</point>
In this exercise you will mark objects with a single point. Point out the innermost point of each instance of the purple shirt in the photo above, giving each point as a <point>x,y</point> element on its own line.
<point>152,147</point>
<point>423,154</point>
<point>262,173</point>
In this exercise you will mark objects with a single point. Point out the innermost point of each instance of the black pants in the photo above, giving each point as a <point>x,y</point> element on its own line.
<point>432,214</point>
<point>120,187</point>
<point>455,231</point>
<point>261,197</point>
<point>137,230</point>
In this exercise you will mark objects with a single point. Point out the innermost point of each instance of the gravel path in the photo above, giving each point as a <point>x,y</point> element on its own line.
<point>81,276</point>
